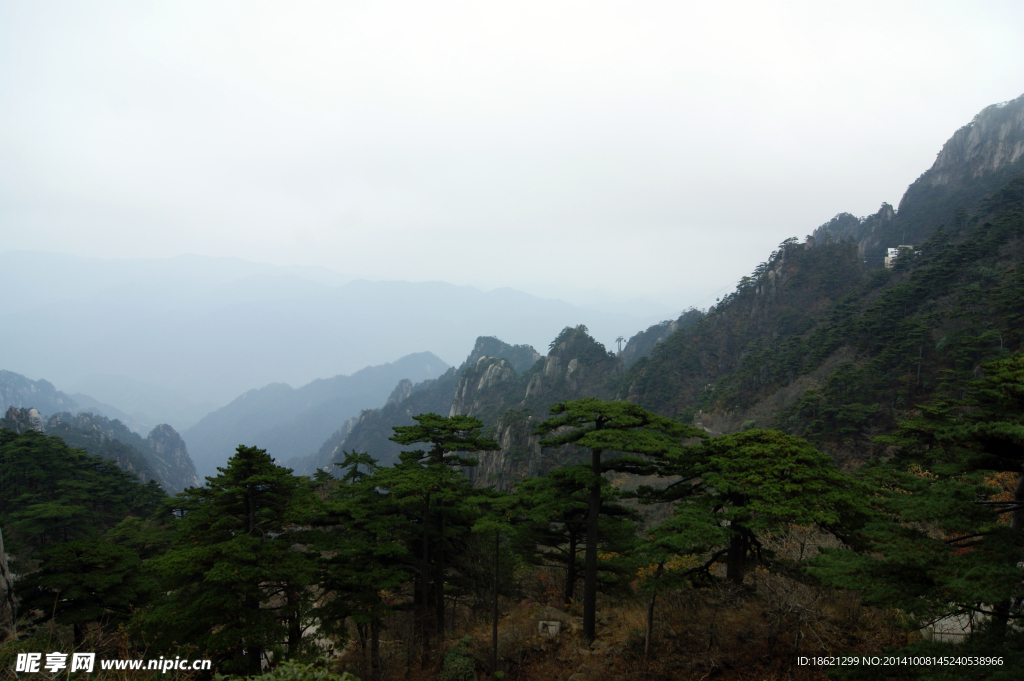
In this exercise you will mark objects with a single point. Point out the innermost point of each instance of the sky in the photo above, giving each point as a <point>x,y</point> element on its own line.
<point>590,151</point>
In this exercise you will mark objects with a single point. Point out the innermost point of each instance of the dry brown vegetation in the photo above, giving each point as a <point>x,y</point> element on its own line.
<point>757,631</point>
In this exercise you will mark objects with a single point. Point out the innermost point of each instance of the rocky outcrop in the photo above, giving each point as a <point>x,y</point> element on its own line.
<point>990,142</point>
<point>170,458</point>
<point>107,439</point>
<point>401,391</point>
<point>869,232</point>
<point>520,357</point>
<point>479,381</point>
<point>22,420</point>
<point>520,455</point>
<point>978,159</point>
<point>510,389</point>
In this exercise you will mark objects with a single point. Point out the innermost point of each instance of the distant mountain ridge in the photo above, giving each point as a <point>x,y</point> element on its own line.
<point>162,456</point>
<point>292,423</point>
<point>18,391</point>
<point>208,329</point>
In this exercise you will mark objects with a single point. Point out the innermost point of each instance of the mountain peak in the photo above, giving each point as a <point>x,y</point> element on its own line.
<point>990,142</point>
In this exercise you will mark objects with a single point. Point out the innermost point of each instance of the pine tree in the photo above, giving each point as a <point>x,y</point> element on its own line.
<point>232,574</point>
<point>557,505</point>
<point>641,437</point>
<point>363,541</point>
<point>744,485</point>
<point>952,533</point>
<point>429,485</point>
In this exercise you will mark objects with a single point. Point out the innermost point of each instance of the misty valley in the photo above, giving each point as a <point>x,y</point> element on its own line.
<point>823,465</point>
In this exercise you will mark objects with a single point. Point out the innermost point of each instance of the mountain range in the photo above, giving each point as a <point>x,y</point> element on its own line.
<point>292,423</point>
<point>798,345</point>
<point>820,340</point>
<point>172,339</point>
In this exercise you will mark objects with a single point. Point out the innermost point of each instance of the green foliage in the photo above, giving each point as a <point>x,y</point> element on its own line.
<point>84,581</point>
<point>448,436</point>
<point>736,488</point>
<point>641,438</point>
<point>599,425</point>
<point>232,552</point>
<point>912,335</point>
<point>51,493</point>
<point>948,535</point>
<point>109,440</point>
<point>557,507</point>
<point>458,665</point>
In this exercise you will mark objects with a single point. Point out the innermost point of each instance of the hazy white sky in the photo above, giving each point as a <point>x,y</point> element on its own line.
<point>655,149</point>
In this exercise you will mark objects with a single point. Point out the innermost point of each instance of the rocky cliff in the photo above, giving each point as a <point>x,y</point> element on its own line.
<point>812,342</point>
<point>22,420</point>
<point>979,158</point>
<point>989,143</point>
<point>868,232</point>
<point>162,456</point>
<point>815,345</point>
<point>509,388</point>
<point>642,344</point>
<point>169,457</point>
<point>104,438</point>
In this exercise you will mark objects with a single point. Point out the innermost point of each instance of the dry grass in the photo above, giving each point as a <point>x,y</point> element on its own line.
<point>725,632</point>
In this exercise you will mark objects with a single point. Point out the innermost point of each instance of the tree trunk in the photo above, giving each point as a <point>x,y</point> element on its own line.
<point>361,631</point>
<point>650,615</point>
<point>590,561</point>
<point>254,651</point>
<point>375,649</point>
<point>570,569</point>
<point>737,557</point>
<point>294,626</point>
<point>439,606</point>
<point>494,606</point>
<point>425,580</point>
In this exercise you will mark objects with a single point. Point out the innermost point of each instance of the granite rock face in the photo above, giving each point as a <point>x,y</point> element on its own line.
<point>992,141</point>
<point>642,344</point>
<point>170,459</point>
<point>868,231</point>
<point>22,420</point>
<point>161,457</point>
<point>979,158</point>
<point>510,389</point>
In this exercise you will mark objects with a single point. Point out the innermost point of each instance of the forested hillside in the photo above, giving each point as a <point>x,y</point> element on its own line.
<point>817,346</point>
<point>160,457</point>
